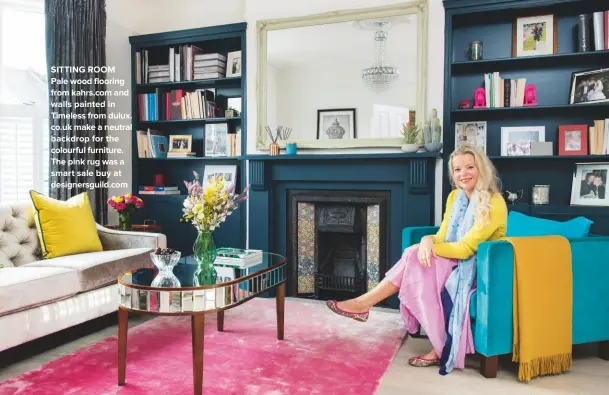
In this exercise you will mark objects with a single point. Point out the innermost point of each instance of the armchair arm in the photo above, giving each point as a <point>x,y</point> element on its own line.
<point>413,235</point>
<point>493,333</point>
<point>116,240</point>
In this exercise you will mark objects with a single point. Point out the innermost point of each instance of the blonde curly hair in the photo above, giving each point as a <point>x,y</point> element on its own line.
<point>488,182</point>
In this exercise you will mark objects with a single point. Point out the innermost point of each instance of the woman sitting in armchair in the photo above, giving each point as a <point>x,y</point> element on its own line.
<point>435,279</point>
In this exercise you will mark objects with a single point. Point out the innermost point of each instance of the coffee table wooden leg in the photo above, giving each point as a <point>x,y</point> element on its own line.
<point>198,332</point>
<point>123,325</point>
<point>220,321</point>
<point>280,299</point>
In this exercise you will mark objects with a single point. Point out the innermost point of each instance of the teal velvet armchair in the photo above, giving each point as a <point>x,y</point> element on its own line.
<point>491,304</point>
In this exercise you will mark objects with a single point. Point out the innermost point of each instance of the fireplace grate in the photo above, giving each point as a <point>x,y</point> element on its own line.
<point>330,282</point>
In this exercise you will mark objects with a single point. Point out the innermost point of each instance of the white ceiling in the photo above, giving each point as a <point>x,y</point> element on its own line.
<point>341,42</point>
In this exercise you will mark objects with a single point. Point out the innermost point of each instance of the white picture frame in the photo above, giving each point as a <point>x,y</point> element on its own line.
<point>216,139</point>
<point>471,133</point>
<point>233,64</point>
<point>589,186</point>
<point>516,140</point>
<point>228,173</point>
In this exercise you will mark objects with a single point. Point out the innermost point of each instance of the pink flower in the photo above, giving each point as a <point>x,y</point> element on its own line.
<point>111,202</point>
<point>139,204</point>
<point>120,206</point>
<point>132,200</point>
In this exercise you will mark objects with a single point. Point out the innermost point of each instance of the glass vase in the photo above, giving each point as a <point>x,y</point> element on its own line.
<point>124,221</point>
<point>165,263</point>
<point>205,254</point>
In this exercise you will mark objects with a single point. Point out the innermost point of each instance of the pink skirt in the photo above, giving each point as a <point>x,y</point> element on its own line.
<point>419,293</point>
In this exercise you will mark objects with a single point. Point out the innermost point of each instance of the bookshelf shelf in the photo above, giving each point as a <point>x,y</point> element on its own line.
<point>492,22</point>
<point>528,110</point>
<point>583,158</point>
<point>212,82</point>
<point>501,64</point>
<point>190,121</point>
<point>217,158</point>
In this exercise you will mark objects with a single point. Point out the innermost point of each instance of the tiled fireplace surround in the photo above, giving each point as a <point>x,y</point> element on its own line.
<point>396,191</point>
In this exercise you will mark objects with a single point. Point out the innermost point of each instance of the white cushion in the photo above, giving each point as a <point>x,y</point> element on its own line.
<point>22,287</point>
<point>96,269</point>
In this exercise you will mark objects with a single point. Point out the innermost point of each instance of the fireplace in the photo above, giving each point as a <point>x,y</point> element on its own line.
<point>340,250</point>
<point>337,247</point>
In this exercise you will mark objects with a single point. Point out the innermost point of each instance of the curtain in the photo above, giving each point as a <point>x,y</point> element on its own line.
<point>76,52</point>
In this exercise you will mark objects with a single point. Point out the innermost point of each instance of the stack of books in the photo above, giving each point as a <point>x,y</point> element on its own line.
<point>209,65</point>
<point>238,258</point>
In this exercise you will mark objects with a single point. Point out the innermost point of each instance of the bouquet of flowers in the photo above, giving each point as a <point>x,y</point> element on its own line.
<point>125,206</point>
<point>206,208</point>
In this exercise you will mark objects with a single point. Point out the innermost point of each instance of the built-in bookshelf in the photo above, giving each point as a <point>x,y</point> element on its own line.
<point>188,115</point>
<point>507,69</point>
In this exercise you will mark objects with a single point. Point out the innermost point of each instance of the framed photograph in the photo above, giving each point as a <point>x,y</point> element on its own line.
<point>227,172</point>
<point>589,184</point>
<point>535,35</point>
<point>590,86</point>
<point>233,64</point>
<point>180,143</point>
<point>216,139</point>
<point>470,133</point>
<point>336,124</point>
<point>573,140</point>
<point>516,141</point>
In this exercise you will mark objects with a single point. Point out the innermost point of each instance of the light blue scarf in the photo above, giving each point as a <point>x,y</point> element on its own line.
<point>460,281</point>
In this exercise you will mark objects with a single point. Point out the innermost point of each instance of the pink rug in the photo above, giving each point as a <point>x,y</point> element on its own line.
<point>322,353</point>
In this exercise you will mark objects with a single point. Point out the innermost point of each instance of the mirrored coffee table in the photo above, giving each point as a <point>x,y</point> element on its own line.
<point>136,295</point>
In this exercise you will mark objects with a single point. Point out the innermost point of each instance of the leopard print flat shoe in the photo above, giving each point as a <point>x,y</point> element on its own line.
<point>361,317</point>
<point>420,362</point>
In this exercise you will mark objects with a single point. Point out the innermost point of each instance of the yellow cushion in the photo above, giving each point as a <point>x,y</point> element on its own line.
<point>65,227</point>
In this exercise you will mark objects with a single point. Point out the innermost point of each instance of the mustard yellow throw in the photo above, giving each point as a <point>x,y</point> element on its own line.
<point>543,305</point>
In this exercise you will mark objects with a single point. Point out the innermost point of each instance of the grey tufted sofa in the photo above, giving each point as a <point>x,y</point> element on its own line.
<point>41,296</point>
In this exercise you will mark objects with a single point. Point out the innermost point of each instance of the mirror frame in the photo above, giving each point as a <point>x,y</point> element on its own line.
<point>418,7</point>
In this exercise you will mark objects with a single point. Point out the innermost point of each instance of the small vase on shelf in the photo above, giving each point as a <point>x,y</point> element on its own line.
<point>205,254</point>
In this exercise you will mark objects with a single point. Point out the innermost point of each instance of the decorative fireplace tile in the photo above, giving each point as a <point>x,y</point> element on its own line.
<point>373,249</point>
<point>373,214</point>
<point>306,247</point>
<point>306,284</point>
<point>306,211</point>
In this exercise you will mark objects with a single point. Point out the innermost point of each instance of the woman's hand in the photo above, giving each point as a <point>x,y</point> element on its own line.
<point>426,251</point>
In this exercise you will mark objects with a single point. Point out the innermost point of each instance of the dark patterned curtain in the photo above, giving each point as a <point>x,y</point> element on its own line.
<point>76,52</point>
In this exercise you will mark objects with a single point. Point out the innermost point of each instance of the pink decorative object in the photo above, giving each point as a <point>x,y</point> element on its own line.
<point>323,353</point>
<point>530,95</point>
<point>480,98</point>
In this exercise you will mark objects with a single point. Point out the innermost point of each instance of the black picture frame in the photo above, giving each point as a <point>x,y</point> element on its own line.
<point>573,89</point>
<point>348,111</point>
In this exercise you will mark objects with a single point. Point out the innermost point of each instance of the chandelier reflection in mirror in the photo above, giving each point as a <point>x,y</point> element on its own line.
<point>379,76</point>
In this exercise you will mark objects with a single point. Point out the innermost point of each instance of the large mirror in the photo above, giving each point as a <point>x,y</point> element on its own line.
<point>344,79</point>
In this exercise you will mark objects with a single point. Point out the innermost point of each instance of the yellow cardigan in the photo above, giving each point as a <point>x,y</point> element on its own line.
<point>468,245</point>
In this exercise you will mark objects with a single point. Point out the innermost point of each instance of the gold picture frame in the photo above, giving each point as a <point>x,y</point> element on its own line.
<point>535,35</point>
<point>180,143</point>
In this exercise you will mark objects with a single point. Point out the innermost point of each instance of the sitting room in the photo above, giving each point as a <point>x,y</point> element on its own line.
<point>420,210</point>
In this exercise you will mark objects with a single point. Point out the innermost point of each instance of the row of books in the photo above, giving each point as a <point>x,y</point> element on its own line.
<point>593,31</point>
<point>178,104</point>
<point>184,63</point>
<point>503,92</point>
<point>154,190</point>
<point>598,137</point>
